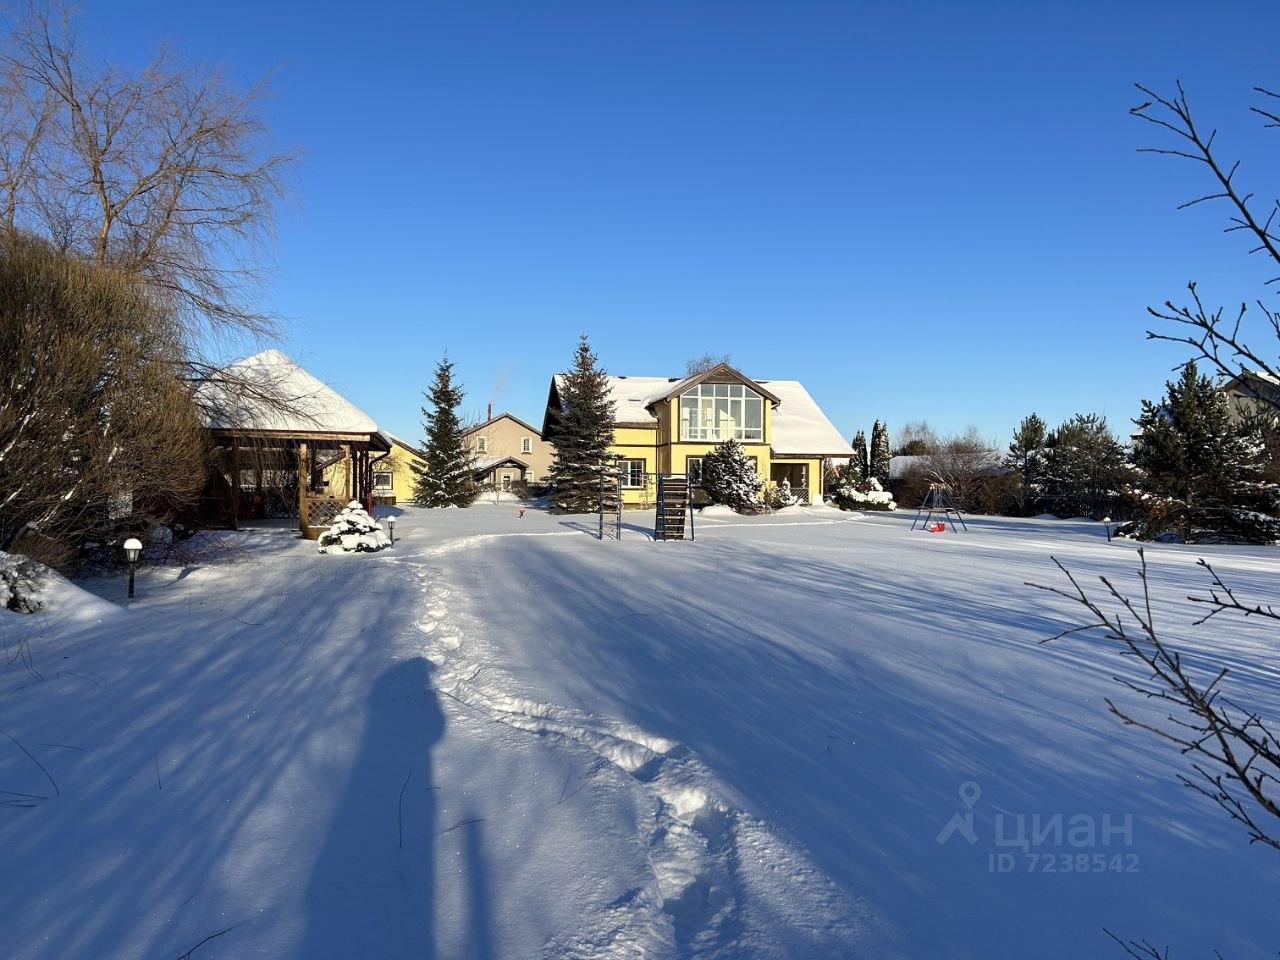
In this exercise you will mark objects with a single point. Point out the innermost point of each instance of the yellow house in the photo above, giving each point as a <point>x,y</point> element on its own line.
<point>393,476</point>
<point>667,425</point>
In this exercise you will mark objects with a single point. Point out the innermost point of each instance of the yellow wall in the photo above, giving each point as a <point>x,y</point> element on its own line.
<point>402,477</point>
<point>397,462</point>
<point>661,455</point>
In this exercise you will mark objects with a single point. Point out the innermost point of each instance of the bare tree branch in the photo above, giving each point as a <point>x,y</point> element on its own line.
<point>1235,755</point>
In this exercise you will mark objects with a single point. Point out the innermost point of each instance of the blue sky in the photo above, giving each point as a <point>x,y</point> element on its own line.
<point>920,210</point>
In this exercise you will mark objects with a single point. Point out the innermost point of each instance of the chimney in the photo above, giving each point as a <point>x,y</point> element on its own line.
<point>489,416</point>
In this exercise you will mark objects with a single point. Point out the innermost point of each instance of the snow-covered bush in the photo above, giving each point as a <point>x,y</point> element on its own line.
<point>783,497</point>
<point>353,531</point>
<point>19,584</point>
<point>729,477</point>
<point>864,495</point>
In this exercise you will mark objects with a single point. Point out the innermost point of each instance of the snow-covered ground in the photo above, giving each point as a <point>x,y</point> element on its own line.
<point>503,738</point>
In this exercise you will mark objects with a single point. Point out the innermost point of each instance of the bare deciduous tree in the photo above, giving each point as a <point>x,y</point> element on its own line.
<point>1213,334</point>
<point>166,173</point>
<point>1234,754</point>
<point>707,361</point>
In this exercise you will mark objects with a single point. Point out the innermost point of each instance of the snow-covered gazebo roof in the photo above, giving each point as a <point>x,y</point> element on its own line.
<point>270,393</point>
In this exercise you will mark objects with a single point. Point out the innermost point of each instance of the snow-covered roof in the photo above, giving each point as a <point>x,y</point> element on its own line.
<point>401,442</point>
<point>799,425</point>
<point>992,462</point>
<point>485,464</point>
<point>279,395</point>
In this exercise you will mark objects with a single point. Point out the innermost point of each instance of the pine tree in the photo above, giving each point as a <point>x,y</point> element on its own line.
<point>446,477</point>
<point>1201,469</point>
<point>729,477</point>
<point>1026,453</point>
<point>1084,466</point>
<point>880,456</point>
<point>582,433</point>
<point>860,463</point>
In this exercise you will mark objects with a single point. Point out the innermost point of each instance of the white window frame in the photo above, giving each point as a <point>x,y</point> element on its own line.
<point>715,412</point>
<point>626,471</point>
<point>390,477</point>
<point>526,444</point>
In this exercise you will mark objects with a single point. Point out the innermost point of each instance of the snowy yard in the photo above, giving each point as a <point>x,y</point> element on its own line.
<point>503,738</point>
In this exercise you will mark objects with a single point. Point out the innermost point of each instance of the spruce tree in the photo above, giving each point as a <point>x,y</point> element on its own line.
<point>880,456</point>
<point>729,477</point>
<point>1201,469</point>
<point>446,477</point>
<point>1026,453</point>
<point>860,463</point>
<point>582,433</point>
<point>1084,466</point>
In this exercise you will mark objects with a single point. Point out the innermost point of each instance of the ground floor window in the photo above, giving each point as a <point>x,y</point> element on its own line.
<point>632,472</point>
<point>383,480</point>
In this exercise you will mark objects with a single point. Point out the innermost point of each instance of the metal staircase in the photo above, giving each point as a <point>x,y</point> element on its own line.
<point>673,511</point>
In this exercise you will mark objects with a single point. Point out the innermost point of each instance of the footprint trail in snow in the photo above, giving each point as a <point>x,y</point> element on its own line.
<point>722,882</point>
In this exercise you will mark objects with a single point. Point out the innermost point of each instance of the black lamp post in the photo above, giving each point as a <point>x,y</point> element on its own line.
<point>132,550</point>
<point>391,529</point>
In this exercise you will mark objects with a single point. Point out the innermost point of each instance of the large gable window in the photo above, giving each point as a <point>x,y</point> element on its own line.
<point>721,411</point>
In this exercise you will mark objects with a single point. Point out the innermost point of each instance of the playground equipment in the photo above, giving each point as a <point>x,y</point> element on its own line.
<point>674,506</point>
<point>938,499</point>
<point>611,504</point>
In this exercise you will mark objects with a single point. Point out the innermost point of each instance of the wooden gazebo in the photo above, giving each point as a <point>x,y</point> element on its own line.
<point>286,444</point>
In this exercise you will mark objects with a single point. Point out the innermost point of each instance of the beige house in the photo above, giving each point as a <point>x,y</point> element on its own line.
<point>507,449</point>
<point>1253,393</point>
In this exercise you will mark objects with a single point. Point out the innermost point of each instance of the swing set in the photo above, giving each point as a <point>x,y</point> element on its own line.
<point>938,500</point>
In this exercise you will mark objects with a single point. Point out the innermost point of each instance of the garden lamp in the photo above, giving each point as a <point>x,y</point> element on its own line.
<point>132,550</point>
<point>391,528</point>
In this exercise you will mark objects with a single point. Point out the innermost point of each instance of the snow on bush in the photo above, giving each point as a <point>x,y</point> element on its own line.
<point>864,495</point>
<point>782,495</point>
<point>353,531</point>
<point>19,584</point>
<point>729,477</point>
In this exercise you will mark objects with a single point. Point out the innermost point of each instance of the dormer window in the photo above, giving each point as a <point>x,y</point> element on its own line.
<point>721,411</point>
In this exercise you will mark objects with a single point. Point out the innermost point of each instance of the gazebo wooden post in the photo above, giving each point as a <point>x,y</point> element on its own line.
<point>347,466</point>
<point>235,483</point>
<point>303,477</point>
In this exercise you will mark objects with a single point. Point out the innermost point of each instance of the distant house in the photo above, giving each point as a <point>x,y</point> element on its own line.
<point>667,425</point>
<point>507,449</point>
<point>504,449</point>
<point>1252,393</point>
<point>990,463</point>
